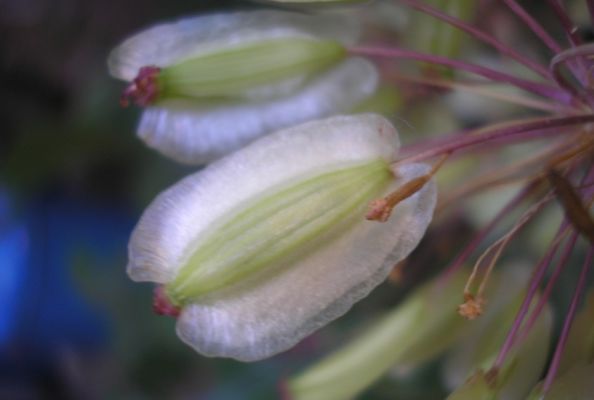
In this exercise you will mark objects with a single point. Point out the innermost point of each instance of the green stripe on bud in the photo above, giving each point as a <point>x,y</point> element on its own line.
<point>225,74</point>
<point>279,224</point>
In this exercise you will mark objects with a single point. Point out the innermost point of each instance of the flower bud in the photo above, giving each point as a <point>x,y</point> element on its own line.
<point>213,83</point>
<point>268,244</point>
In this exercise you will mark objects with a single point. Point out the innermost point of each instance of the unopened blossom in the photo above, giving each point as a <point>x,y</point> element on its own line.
<point>213,83</point>
<point>270,243</point>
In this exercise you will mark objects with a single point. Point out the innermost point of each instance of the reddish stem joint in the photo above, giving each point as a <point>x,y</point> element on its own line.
<point>144,89</point>
<point>162,305</point>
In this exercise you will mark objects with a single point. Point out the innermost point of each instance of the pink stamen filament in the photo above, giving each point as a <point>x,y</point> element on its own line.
<point>537,88</point>
<point>546,294</point>
<point>552,372</point>
<point>482,89</point>
<point>533,25</point>
<point>508,131</point>
<point>537,277</point>
<point>479,35</point>
<point>479,237</point>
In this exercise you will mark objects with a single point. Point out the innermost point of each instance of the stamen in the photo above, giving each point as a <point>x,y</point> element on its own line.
<point>482,89</point>
<point>527,191</point>
<point>478,34</point>
<point>381,209</point>
<point>162,305</point>
<point>533,25</point>
<point>541,89</point>
<point>470,301</point>
<point>144,89</point>
<point>472,307</point>
<point>537,277</point>
<point>503,133</point>
<point>544,298</point>
<point>575,211</point>
<point>552,372</point>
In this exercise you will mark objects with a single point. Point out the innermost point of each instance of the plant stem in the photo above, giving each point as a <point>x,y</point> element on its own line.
<point>496,132</point>
<point>479,35</point>
<point>533,25</point>
<point>537,277</point>
<point>552,372</point>
<point>541,89</point>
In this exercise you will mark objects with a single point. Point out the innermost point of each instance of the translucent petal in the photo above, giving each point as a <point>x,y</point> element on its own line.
<point>256,319</point>
<point>180,213</point>
<point>198,136</point>
<point>165,44</point>
<point>260,319</point>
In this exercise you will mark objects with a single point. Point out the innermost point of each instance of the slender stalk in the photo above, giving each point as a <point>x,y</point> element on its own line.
<point>578,67</point>
<point>541,89</point>
<point>544,298</point>
<point>566,57</point>
<point>502,243</point>
<point>571,30</point>
<point>524,193</point>
<point>496,132</point>
<point>483,90</point>
<point>533,25</point>
<point>478,34</point>
<point>552,372</point>
<point>537,278</point>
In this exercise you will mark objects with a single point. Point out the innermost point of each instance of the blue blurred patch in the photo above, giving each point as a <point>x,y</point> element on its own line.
<point>46,311</point>
<point>13,249</point>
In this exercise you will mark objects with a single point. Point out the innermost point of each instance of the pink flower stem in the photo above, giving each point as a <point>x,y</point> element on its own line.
<point>561,264</point>
<point>478,238</point>
<point>540,89</point>
<point>479,35</point>
<point>554,366</point>
<point>578,67</point>
<point>533,25</point>
<point>586,50</point>
<point>507,132</point>
<point>571,30</point>
<point>544,298</point>
<point>537,277</point>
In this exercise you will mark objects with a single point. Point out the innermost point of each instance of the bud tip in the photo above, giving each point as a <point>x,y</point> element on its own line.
<point>144,89</point>
<point>162,305</point>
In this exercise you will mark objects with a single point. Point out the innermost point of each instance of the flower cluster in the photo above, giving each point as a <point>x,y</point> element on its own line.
<point>302,211</point>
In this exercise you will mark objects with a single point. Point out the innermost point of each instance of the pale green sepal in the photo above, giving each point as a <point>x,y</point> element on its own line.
<point>415,331</point>
<point>228,73</point>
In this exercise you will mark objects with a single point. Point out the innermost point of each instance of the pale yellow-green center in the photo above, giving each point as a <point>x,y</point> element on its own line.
<point>225,74</point>
<point>282,224</point>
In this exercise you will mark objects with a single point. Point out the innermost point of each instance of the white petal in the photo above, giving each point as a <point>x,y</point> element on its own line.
<point>254,320</point>
<point>163,236</point>
<point>166,44</point>
<point>257,320</point>
<point>200,136</point>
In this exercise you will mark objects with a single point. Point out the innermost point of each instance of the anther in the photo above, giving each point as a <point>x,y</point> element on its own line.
<point>381,209</point>
<point>472,307</point>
